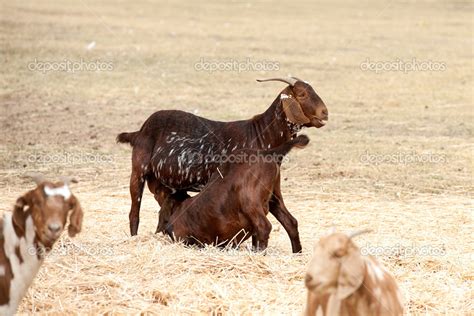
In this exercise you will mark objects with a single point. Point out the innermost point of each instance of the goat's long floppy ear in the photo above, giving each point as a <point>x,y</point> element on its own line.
<point>75,218</point>
<point>19,213</point>
<point>293,111</point>
<point>21,202</point>
<point>351,274</point>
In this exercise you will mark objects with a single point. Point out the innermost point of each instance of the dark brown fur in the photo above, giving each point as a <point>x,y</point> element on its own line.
<point>169,149</point>
<point>234,204</point>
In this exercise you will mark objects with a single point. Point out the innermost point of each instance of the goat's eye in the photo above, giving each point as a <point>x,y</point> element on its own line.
<point>302,94</point>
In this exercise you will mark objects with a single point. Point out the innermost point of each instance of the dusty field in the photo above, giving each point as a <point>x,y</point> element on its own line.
<point>418,200</point>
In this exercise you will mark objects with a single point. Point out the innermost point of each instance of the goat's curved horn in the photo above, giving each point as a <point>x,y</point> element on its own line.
<point>298,79</point>
<point>68,180</point>
<point>359,232</point>
<point>290,81</point>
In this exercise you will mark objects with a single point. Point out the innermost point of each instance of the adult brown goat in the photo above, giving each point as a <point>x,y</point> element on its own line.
<point>171,150</point>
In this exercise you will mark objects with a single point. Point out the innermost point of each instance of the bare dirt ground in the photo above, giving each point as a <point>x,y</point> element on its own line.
<point>396,155</point>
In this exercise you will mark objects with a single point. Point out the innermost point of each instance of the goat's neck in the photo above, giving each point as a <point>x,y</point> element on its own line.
<point>271,128</point>
<point>366,297</point>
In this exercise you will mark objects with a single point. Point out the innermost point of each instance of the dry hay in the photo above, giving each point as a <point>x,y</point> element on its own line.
<point>105,271</point>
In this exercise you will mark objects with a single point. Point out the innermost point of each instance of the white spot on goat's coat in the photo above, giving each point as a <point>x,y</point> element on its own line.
<point>378,292</point>
<point>23,273</point>
<point>375,271</point>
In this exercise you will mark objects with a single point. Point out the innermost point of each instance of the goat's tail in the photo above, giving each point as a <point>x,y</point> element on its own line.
<point>299,142</point>
<point>127,138</point>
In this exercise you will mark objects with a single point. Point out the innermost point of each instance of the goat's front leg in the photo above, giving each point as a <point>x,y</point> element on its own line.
<point>279,210</point>
<point>159,193</point>
<point>164,215</point>
<point>261,229</point>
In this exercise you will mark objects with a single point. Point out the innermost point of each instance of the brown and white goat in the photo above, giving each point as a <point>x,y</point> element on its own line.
<point>169,149</point>
<point>234,204</point>
<point>28,234</point>
<point>341,281</point>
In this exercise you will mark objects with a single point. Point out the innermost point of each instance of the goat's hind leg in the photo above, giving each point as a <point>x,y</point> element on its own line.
<point>140,165</point>
<point>137,183</point>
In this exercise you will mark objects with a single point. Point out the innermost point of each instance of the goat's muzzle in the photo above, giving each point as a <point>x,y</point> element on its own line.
<point>318,122</point>
<point>312,284</point>
<point>320,117</point>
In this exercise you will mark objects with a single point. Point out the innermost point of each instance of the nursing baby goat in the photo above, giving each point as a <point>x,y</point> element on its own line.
<point>234,204</point>
<point>28,234</point>
<point>342,282</point>
<point>169,148</point>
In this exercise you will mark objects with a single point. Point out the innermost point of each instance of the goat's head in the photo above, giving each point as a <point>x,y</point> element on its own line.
<point>337,266</point>
<point>49,205</point>
<point>169,205</point>
<point>301,104</point>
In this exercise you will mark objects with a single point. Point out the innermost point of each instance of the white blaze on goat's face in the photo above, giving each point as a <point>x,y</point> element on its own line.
<point>63,191</point>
